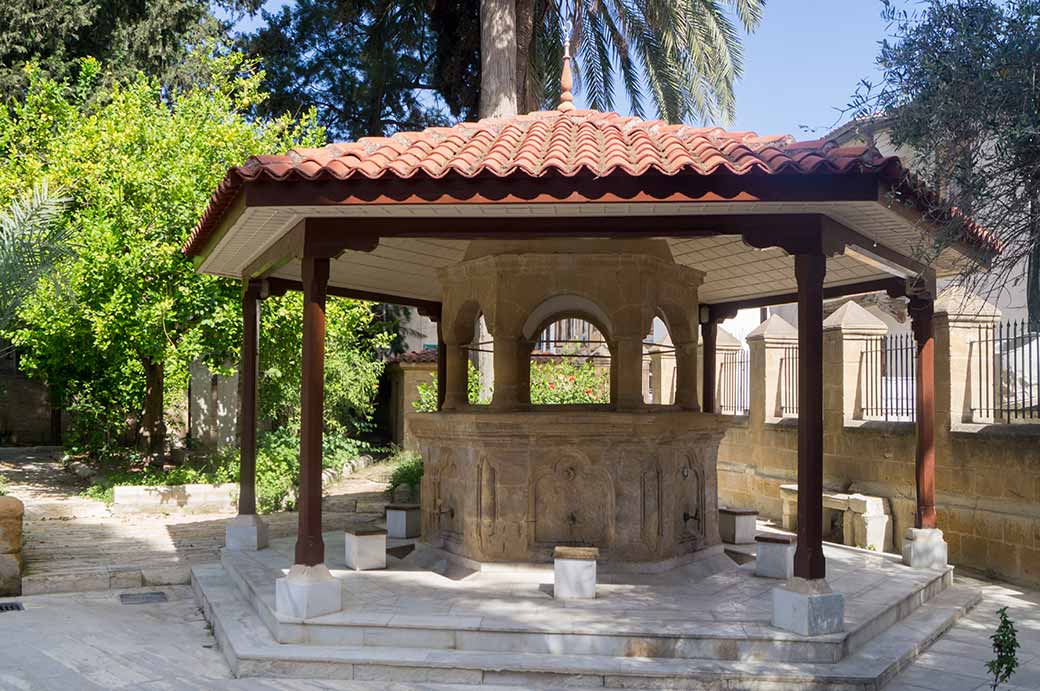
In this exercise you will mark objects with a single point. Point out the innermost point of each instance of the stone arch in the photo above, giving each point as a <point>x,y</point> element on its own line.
<point>463,324</point>
<point>683,332</point>
<point>567,306</point>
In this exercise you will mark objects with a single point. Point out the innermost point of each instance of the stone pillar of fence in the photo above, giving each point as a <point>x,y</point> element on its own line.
<point>846,335</point>
<point>662,368</point>
<point>726,345</point>
<point>767,344</point>
<point>961,318</point>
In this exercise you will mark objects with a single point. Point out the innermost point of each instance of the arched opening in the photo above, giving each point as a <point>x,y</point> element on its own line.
<point>571,363</point>
<point>660,370</point>
<point>480,364</point>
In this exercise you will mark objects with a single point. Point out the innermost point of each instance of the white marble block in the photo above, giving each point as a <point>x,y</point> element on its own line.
<point>574,573</point>
<point>403,521</point>
<point>808,608</point>
<point>924,548</point>
<point>307,592</point>
<point>365,549</point>
<point>737,526</point>
<point>245,532</point>
<point>774,556</point>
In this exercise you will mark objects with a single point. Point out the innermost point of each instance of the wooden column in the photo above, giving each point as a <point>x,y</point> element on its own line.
<point>709,339</point>
<point>247,398</point>
<point>310,549</point>
<point>921,310</point>
<point>809,562</point>
<point>442,366</point>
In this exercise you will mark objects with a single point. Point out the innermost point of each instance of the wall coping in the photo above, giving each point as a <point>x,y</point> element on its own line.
<point>983,429</point>
<point>881,426</point>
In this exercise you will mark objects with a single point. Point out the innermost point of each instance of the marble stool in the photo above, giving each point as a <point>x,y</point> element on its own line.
<point>774,555</point>
<point>737,526</point>
<point>403,521</point>
<point>365,549</point>
<point>574,572</point>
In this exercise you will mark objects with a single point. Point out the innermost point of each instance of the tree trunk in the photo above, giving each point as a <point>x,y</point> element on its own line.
<point>527,94</point>
<point>498,66</point>
<point>153,430</point>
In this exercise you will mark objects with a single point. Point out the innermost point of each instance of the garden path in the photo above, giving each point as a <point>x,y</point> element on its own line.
<point>73,543</point>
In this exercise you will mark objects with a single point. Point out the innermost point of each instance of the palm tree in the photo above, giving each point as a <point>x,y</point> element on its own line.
<point>32,240</point>
<point>681,56</point>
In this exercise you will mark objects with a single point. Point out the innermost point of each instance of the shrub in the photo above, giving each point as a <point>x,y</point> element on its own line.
<point>407,471</point>
<point>1005,648</point>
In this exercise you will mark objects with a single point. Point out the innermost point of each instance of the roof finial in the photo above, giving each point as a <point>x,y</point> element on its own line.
<point>566,81</point>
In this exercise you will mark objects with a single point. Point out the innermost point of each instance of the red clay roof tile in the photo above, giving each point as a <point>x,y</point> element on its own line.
<point>538,143</point>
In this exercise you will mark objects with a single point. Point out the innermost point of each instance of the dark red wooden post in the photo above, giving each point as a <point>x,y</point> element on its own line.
<point>809,562</point>
<point>442,366</point>
<point>310,548</point>
<point>247,398</point>
<point>709,339</point>
<point>921,310</point>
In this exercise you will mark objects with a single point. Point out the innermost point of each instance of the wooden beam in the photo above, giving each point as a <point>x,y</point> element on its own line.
<point>809,562</point>
<point>709,338</point>
<point>247,398</point>
<point>428,308</point>
<point>895,287</point>
<point>921,312</point>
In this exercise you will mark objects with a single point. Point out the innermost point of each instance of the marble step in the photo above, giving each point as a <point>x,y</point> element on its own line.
<point>721,641</point>
<point>251,650</point>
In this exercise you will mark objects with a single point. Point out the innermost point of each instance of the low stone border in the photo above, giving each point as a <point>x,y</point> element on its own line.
<point>106,578</point>
<point>11,513</point>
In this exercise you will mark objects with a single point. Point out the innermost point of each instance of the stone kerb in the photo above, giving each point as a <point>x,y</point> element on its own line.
<point>767,344</point>
<point>11,513</point>
<point>846,335</point>
<point>960,318</point>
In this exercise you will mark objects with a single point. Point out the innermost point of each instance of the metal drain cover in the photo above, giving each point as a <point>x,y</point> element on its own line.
<point>11,607</point>
<point>141,598</point>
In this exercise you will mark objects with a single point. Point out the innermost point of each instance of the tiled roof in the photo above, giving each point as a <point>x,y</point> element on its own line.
<point>416,356</point>
<point>539,143</point>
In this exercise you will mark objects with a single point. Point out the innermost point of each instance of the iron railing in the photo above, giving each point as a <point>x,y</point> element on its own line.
<point>889,385</point>
<point>1006,360</point>
<point>789,382</point>
<point>735,383</point>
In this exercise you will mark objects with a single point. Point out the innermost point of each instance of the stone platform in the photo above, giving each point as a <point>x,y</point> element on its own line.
<point>704,625</point>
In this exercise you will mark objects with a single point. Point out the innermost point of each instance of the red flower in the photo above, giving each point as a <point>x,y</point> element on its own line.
<point>552,386</point>
<point>588,392</point>
<point>572,378</point>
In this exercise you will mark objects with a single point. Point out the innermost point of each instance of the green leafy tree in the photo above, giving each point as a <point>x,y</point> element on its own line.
<point>960,89</point>
<point>151,37</point>
<point>139,166</point>
<point>1005,649</point>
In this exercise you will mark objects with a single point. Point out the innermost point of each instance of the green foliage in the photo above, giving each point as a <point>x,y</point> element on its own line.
<point>553,382</point>
<point>32,240</point>
<point>566,380</point>
<point>139,166</point>
<point>364,62</point>
<point>3,485</point>
<point>152,37</point>
<point>1005,648</point>
<point>959,88</point>
<point>407,471</point>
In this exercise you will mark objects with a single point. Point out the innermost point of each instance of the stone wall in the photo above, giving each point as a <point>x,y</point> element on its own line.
<point>405,374</point>
<point>11,513</point>
<point>213,408</point>
<point>987,476</point>
<point>25,412</point>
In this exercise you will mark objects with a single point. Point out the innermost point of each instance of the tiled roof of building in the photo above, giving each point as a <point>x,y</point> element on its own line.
<point>416,356</point>
<point>548,142</point>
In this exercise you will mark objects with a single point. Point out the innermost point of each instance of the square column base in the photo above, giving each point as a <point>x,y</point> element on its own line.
<point>808,608</point>
<point>245,533</point>
<point>307,592</point>
<point>924,548</point>
<point>574,573</point>
<point>774,556</point>
<point>365,549</point>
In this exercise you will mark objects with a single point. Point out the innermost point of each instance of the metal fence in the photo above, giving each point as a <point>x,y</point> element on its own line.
<point>735,383</point>
<point>889,385</point>
<point>789,382</point>
<point>1006,360</point>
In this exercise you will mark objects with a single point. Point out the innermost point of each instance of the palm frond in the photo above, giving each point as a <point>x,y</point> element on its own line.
<point>33,239</point>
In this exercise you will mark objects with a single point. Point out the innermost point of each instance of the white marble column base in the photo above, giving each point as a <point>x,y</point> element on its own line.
<point>307,592</point>
<point>245,532</point>
<point>924,548</point>
<point>808,607</point>
<point>774,560</point>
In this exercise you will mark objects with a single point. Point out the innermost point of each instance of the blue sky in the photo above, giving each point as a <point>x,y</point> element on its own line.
<point>801,65</point>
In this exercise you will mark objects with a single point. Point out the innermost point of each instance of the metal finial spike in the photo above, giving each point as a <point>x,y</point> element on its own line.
<point>566,81</point>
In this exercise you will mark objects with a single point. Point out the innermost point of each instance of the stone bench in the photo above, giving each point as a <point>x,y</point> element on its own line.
<point>365,549</point>
<point>774,555</point>
<point>865,520</point>
<point>574,572</point>
<point>737,526</point>
<point>403,521</point>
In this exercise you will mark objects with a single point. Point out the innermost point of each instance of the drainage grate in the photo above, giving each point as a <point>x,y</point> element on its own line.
<point>141,598</point>
<point>11,607</point>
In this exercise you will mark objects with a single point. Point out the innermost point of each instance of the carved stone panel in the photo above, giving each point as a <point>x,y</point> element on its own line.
<point>572,503</point>
<point>689,500</point>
